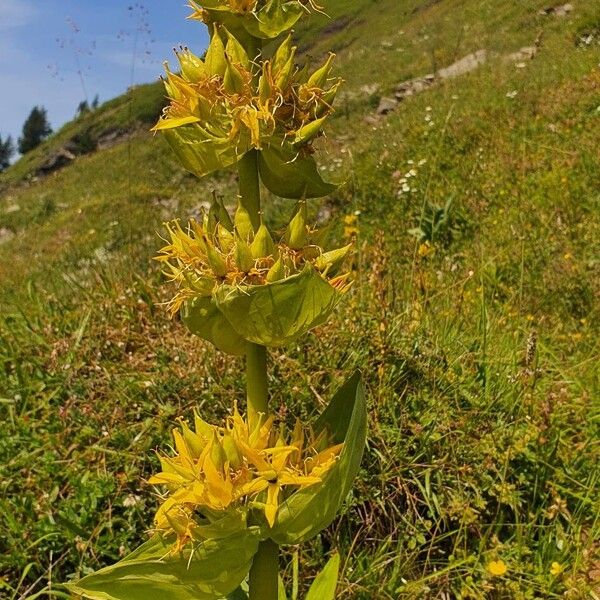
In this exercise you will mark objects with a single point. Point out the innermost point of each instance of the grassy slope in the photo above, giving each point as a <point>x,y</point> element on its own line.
<point>476,453</point>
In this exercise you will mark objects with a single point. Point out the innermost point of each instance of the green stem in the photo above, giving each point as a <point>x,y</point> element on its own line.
<point>256,382</point>
<point>264,575</point>
<point>250,186</point>
<point>248,165</point>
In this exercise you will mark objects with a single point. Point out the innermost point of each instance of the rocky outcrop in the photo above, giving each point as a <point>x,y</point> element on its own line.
<point>413,86</point>
<point>558,11</point>
<point>524,54</point>
<point>6,234</point>
<point>463,66</point>
<point>386,105</point>
<point>57,160</point>
<point>419,84</point>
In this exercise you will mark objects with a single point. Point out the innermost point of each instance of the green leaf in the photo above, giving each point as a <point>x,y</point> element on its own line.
<point>202,317</point>
<point>276,313</point>
<point>323,587</point>
<point>273,19</point>
<point>307,512</point>
<point>211,571</point>
<point>202,153</point>
<point>289,175</point>
<point>281,595</point>
<point>238,594</point>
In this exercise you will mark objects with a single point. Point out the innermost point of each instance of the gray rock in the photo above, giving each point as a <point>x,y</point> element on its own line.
<point>6,234</point>
<point>526,53</point>
<point>413,86</point>
<point>57,160</point>
<point>386,105</point>
<point>464,65</point>
<point>558,11</point>
<point>370,89</point>
<point>109,138</point>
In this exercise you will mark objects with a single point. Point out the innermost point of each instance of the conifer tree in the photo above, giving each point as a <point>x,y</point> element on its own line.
<point>7,149</point>
<point>35,129</point>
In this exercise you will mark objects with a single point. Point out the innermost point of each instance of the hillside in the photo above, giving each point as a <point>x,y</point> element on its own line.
<point>474,317</point>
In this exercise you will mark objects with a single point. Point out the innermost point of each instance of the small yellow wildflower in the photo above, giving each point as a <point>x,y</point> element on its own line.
<point>556,569</point>
<point>350,227</point>
<point>426,249</point>
<point>497,568</point>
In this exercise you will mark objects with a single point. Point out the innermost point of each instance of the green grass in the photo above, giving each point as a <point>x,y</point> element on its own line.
<point>139,108</point>
<point>478,341</point>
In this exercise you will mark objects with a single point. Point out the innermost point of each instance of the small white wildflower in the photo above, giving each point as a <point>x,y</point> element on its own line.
<point>131,500</point>
<point>512,94</point>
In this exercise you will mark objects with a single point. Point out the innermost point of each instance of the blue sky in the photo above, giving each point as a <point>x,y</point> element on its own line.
<point>44,44</point>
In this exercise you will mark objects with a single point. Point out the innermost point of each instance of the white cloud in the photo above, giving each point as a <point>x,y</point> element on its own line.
<point>16,13</point>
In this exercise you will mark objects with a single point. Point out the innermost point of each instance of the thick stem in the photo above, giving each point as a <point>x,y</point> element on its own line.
<point>250,186</point>
<point>256,383</point>
<point>264,575</point>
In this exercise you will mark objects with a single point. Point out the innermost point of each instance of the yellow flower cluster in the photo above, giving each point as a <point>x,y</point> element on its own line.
<point>240,7</point>
<point>219,251</point>
<point>225,105</point>
<point>239,465</point>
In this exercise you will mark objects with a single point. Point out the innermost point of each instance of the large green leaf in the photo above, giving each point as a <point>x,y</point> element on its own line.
<point>323,587</point>
<point>211,571</point>
<point>274,18</point>
<point>202,153</point>
<point>307,512</point>
<point>202,317</point>
<point>289,175</point>
<point>276,313</point>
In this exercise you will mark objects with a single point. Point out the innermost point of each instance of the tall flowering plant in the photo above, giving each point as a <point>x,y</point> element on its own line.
<point>234,492</point>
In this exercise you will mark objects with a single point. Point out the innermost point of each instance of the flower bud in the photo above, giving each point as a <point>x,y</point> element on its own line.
<point>243,256</point>
<point>296,234</point>
<point>276,272</point>
<point>262,245</point>
<point>215,260</point>
<point>243,224</point>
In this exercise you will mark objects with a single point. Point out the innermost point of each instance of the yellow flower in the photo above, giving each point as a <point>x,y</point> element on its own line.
<point>221,108</point>
<point>556,569</point>
<point>219,251</point>
<point>271,471</point>
<point>350,227</point>
<point>426,249</point>
<point>497,568</point>
<point>220,471</point>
